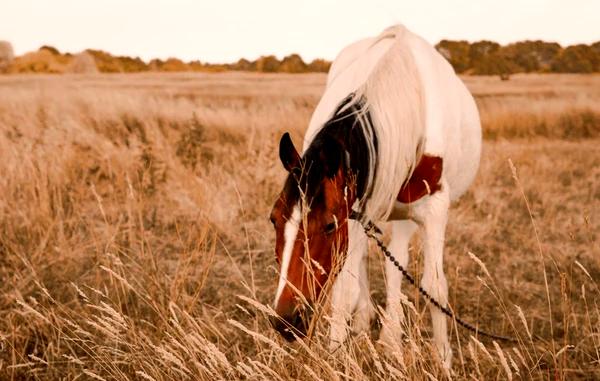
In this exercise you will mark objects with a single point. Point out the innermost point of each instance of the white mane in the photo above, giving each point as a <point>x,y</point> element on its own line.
<point>382,72</point>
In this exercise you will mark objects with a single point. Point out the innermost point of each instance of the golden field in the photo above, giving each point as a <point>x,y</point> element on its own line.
<point>135,242</point>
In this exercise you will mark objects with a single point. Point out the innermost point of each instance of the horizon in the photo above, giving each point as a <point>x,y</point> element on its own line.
<point>212,33</point>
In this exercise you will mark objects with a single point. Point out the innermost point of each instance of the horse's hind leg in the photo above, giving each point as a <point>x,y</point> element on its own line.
<point>350,293</point>
<point>392,329</point>
<point>432,213</point>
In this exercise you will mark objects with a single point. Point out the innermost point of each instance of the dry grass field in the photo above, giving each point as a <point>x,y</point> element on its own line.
<point>135,242</point>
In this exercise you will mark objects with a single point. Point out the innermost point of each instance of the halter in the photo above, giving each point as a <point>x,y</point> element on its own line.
<point>372,231</point>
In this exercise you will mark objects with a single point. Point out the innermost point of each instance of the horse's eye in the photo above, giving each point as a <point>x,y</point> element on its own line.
<point>330,228</point>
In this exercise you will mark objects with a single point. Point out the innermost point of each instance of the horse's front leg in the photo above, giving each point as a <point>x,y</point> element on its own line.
<point>350,293</point>
<point>432,214</point>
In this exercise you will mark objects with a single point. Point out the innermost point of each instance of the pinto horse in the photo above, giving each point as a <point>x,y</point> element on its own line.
<point>395,137</point>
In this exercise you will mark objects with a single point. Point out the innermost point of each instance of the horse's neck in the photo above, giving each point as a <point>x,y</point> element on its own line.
<point>348,126</point>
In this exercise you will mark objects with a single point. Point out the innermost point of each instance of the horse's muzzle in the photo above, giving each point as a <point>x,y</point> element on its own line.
<point>293,324</point>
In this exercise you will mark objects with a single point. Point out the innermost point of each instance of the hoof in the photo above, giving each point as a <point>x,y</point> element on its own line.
<point>390,337</point>
<point>445,353</point>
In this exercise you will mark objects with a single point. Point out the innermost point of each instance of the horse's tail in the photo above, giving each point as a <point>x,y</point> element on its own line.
<point>395,31</point>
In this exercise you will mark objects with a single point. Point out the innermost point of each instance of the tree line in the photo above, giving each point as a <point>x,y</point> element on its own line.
<point>477,58</point>
<point>48,59</point>
<point>490,58</point>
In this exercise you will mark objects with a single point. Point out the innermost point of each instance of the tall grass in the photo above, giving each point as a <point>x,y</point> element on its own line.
<point>134,241</point>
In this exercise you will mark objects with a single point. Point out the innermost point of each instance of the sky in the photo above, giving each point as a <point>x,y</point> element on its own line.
<point>226,30</point>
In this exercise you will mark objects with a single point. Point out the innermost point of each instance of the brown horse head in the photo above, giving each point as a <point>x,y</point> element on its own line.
<point>310,221</point>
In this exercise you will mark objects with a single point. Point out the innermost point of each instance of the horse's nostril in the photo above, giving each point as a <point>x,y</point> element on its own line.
<point>298,322</point>
<point>290,326</point>
<point>283,326</point>
<point>275,322</point>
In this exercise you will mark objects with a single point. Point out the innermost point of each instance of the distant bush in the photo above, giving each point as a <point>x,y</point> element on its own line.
<point>155,64</point>
<point>6,55</point>
<point>479,53</point>
<point>105,62</point>
<point>41,61</point>
<point>83,63</point>
<point>174,64</point>
<point>319,65</point>
<point>531,56</point>
<point>171,64</point>
<point>51,49</point>
<point>244,65</point>
<point>132,64</point>
<point>496,63</point>
<point>577,59</point>
<point>268,64</point>
<point>457,53</point>
<point>195,65</point>
<point>293,64</point>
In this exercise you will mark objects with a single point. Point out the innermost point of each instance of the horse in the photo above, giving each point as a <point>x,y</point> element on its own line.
<point>396,137</point>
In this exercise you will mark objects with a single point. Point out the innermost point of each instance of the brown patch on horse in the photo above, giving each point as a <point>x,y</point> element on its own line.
<point>424,180</point>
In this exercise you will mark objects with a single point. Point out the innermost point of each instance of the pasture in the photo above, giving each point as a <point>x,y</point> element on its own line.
<point>135,241</point>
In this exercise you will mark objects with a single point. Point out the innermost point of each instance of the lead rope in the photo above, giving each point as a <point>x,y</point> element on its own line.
<point>371,229</point>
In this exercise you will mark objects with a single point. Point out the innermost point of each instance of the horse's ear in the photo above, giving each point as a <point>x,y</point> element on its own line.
<point>288,154</point>
<point>332,156</point>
